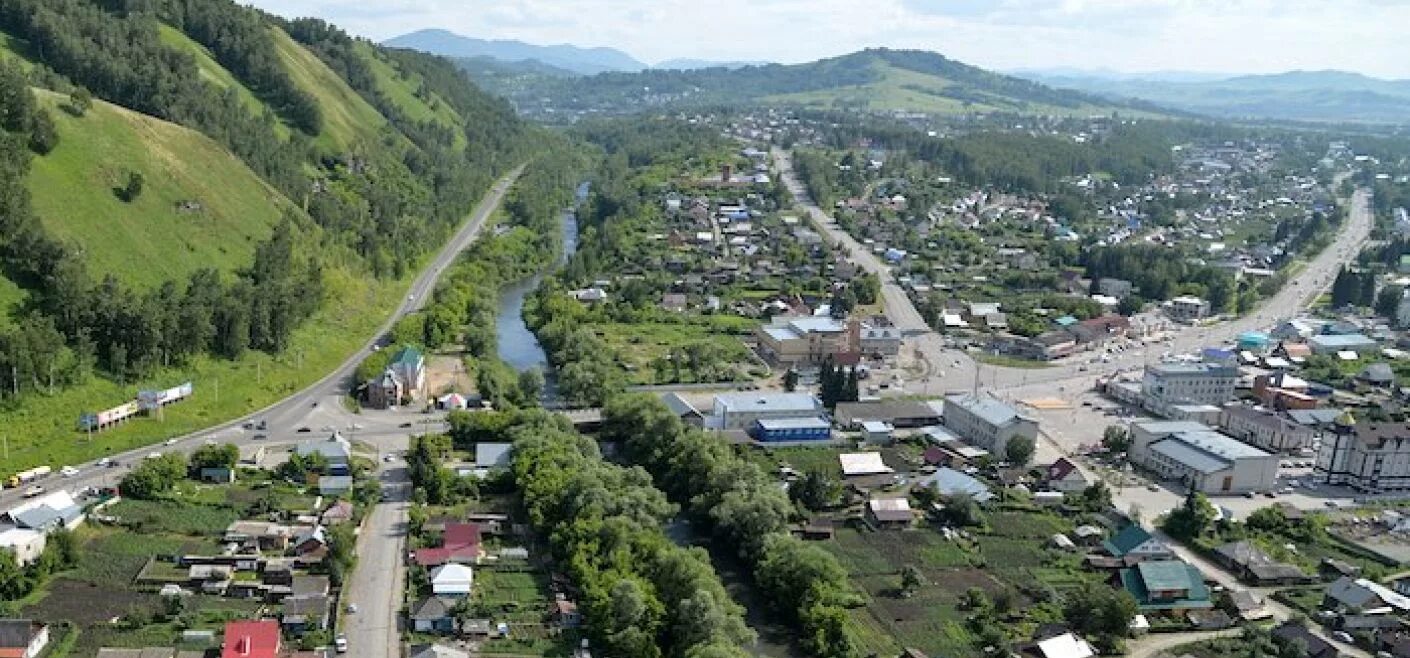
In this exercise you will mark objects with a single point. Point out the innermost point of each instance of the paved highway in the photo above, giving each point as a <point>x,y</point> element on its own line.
<point>956,370</point>
<point>378,581</point>
<point>318,405</point>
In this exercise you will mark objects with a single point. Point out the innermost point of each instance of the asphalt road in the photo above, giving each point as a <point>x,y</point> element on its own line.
<point>378,580</point>
<point>316,406</point>
<point>952,370</point>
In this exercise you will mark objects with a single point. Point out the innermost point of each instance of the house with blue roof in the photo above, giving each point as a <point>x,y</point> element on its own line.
<point>1168,586</point>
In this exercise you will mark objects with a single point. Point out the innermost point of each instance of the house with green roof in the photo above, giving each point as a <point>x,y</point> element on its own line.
<point>1166,586</point>
<point>1134,545</point>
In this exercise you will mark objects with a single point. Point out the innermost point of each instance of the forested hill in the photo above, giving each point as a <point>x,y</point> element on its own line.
<point>180,179</point>
<point>876,79</point>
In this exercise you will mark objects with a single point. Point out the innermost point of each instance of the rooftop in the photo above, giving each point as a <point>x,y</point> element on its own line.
<point>805,423</point>
<point>988,408</point>
<point>863,463</point>
<point>767,402</point>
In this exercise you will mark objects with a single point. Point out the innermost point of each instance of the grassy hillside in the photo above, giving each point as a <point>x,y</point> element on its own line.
<point>214,73</point>
<point>401,89</point>
<point>347,118</point>
<point>151,239</point>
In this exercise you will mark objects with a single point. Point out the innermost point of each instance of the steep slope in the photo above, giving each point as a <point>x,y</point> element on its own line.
<point>404,90</point>
<point>877,80</point>
<point>214,73</point>
<point>1296,95</point>
<point>347,118</point>
<point>585,61</point>
<point>200,205</point>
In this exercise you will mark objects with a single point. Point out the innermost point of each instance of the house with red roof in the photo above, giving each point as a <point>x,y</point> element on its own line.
<point>1064,476</point>
<point>251,639</point>
<point>460,544</point>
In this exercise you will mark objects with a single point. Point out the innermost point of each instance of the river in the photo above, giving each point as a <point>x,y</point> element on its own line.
<point>517,344</point>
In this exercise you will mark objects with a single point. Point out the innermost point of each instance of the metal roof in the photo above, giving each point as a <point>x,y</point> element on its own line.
<point>768,402</point>
<point>1165,575</point>
<point>989,409</point>
<point>949,482</point>
<point>808,423</point>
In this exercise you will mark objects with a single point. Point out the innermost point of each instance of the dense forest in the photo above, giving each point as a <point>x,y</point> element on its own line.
<point>375,206</point>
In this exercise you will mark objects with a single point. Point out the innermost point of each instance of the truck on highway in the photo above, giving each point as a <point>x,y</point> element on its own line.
<point>25,477</point>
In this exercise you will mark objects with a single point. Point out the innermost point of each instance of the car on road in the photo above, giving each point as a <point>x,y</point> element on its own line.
<point>68,471</point>
<point>340,644</point>
<point>304,430</point>
<point>1343,636</point>
<point>404,425</point>
<point>106,462</point>
<point>352,608</point>
<point>1153,487</point>
<point>171,442</point>
<point>259,437</point>
<point>34,492</point>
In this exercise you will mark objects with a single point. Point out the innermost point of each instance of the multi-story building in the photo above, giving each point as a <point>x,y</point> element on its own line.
<point>1202,458</point>
<point>987,422</point>
<point>810,340</point>
<point>1264,428</point>
<point>1187,309</point>
<point>1170,384</point>
<point>1368,457</point>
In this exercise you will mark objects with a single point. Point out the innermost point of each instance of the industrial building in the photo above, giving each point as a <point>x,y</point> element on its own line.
<point>774,430</point>
<point>738,411</point>
<point>1202,458</point>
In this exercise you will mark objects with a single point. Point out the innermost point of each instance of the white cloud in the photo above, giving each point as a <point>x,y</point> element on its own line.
<point>1234,36</point>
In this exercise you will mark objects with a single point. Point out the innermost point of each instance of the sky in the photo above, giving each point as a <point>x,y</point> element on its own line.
<point>1216,36</point>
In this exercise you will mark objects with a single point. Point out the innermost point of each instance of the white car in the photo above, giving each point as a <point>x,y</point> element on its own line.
<point>68,471</point>
<point>171,442</point>
<point>340,644</point>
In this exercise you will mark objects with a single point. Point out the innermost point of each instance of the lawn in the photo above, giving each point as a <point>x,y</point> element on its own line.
<point>347,117</point>
<point>173,517</point>
<point>401,89</point>
<point>151,239</point>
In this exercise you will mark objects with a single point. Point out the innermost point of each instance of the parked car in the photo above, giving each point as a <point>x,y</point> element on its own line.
<point>340,644</point>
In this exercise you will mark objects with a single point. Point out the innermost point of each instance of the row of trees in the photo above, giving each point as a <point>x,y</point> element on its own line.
<point>744,509</point>
<point>1354,288</point>
<point>642,595</point>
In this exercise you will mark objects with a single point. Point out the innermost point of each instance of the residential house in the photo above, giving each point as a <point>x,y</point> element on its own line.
<point>310,543</point>
<point>384,391</point>
<point>409,366</point>
<point>335,485</point>
<point>1187,309</point>
<point>1255,566</point>
<point>1112,287</point>
<point>251,639</point>
<point>434,614</point>
<point>494,454</point>
<point>24,545</point>
<point>1316,647</point>
<point>452,580</point>
<point>889,513</point>
<point>1166,586</point>
<point>1347,595</point>
<point>305,613</point>
<point>1133,545</point>
<point>1063,475</point>
<point>460,543</point>
<point>258,535</point>
<point>341,511</point>
<point>565,612</point>
<point>335,450</point>
<point>22,638</point>
<point>986,422</point>
<point>52,511</point>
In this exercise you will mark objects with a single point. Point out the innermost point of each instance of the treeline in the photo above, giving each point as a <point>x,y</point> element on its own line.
<point>1354,288</point>
<point>745,509</point>
<point>1159,273</point>
<point>642,595</point>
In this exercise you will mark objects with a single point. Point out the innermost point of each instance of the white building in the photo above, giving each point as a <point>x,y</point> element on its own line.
<point>735,411</point>
<point>986,422</point>
<point>1264,428</point>
<point>1171,384</point>
<point>1368,457</point>
<point>26,545</point>
<point>452,580</point>
<point>1202,458</point>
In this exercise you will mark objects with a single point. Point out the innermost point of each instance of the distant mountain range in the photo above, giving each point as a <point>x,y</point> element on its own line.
<point>1334,96</point>
<point>872,80</point>
<point>564,57</point>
